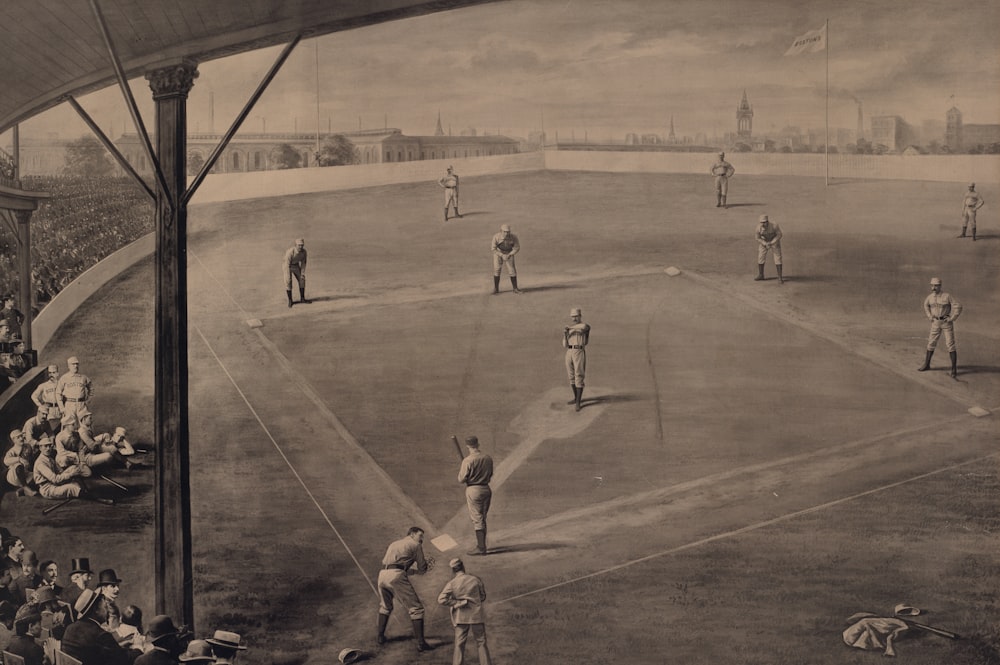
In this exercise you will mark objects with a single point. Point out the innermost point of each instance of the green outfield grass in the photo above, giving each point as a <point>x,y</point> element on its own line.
<point>755,463</point>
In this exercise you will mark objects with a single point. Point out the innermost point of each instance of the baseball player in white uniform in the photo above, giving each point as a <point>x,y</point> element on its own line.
<point>73,391</point>
<point>394,584</point>
<point>971,203</point>
<point>504,246</point>
<point>575,340</point>
<point>295,264</point>
<point>768,237</point>
<point>450,184</point>
<point>942,309</point>
<point>722,171</point>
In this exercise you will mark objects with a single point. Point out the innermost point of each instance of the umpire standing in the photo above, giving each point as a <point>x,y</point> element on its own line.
<point>476,472</point>
<point>295,264</point>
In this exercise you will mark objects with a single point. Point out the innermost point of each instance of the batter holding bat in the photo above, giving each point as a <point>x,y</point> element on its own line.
<point>475,473</point>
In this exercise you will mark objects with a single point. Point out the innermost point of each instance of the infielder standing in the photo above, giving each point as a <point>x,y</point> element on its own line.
<point>475,473</point>
<point>504,246</point>
<point>723,171</point>
<point>46,398</point>
<point>295,264</point>
<point>394,583</point>
<point>575,339</point>
<point>768,238</point>
<point>73,391</point>
<point>942,309</point>
<point>971,203</point>
<point>465,594</point>
<point>450,184</point>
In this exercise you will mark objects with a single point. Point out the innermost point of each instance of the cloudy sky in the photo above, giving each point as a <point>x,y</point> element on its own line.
<point>605,67</point>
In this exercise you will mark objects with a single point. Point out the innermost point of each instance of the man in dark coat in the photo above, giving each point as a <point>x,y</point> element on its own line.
<point>86,640</point>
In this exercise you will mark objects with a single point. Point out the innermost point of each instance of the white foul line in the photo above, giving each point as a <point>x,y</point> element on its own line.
<point>741,530</point>
<point>288,462</point>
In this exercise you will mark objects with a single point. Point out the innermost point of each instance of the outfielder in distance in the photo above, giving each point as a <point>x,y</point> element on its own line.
<point>971,203</point>
<point>942,309</point>
<point>450,184</point>
<point>504,246</point>
<point>575,340</point>
<point>723,171</point>
<point>295,264</point>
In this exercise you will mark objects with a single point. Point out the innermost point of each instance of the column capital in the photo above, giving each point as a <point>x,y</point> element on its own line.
<point>172,80</point>
<point>23,216</point>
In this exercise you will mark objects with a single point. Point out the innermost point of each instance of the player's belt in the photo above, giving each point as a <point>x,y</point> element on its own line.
<point>74,399</point>
<point>941,318</point>
<point>478,484</point>
<point>447,187</point>
<point>394,566</point>
<point>49,404</point>
<point>575,346</point>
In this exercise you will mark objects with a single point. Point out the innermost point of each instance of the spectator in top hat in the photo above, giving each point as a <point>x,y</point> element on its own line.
<point>225,646</point>
<point>29,579</point>
<point>108,584</point>
<point>162,635</point>
<point>80,578</point>
<point>198,651</point>
<point>86,640</point>
<point>27,629</point>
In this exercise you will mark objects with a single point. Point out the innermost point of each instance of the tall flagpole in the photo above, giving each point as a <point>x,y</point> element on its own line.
<point>827,29</point>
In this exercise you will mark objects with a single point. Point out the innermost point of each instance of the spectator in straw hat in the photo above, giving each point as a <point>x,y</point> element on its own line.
<point>27,629</point>
<point>162,635</point>
<point>29,579</point>
<point>198,651</point>
<point>79,578</point>
<point>86,639</point>
<point>465,595</point>
<point>225,646</point>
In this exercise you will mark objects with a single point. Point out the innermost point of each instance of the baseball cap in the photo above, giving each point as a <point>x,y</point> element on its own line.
<point>472,441</point>
<point>455,563</point>
<point>763,218</point>
<point>972,184</point>
<point>936,280</point>
<point>722,154</point>
<point>4,322</point>
<point>575,312</point>
<point>505,227</point>
<point>72,359</point>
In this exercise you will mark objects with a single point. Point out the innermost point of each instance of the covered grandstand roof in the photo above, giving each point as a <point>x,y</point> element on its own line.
<point>55,48</point>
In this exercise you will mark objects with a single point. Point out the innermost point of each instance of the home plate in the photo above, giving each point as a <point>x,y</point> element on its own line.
<point>672,271</point>
<point>444,542</point>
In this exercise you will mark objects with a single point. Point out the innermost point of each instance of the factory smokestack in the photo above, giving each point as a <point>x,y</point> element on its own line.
<point>861,121</point>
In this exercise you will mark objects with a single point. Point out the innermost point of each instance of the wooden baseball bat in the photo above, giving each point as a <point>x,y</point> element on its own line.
<point>116,484</point>
<point>58,505</point>
<point>931,629</point>
<point>458,446</point>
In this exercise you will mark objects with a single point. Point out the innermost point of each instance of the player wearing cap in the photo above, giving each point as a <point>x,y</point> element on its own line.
<point>942,309</point>
<point>768,237</point>
<point>450,184</point>
<point>19,460</point>
<point>73,390</point>
<point>295,264</point>
<point>475,473</point>
<point>465,594</point>
<point>575,339</point>
<point>504,246</point>
<point>722,171</point>
<point>394,584</point>
<point>971,203</point>
<point>53,482</point>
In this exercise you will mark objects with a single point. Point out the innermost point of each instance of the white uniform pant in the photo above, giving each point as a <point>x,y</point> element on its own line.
<point>969,218</point>
<point>395,584</point>
<point>499,260</point>
<point>450,197</point>
<point>576,366</point>
<point>938,327</point>
<point>300,277</point>
<point>762,253</point>
<point>721,185</point>
<point>478,498</point>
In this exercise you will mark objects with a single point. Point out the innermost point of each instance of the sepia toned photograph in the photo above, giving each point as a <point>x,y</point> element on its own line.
<point>500,331</point>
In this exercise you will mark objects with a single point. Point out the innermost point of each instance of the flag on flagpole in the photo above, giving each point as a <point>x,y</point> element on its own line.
<point>812,41</point>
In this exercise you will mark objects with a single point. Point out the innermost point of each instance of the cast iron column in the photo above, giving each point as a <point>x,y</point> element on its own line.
<point>174,584</point>
<point>24,269</point>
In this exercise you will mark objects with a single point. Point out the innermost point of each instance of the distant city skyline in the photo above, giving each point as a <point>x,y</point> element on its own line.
<point>603,70</point>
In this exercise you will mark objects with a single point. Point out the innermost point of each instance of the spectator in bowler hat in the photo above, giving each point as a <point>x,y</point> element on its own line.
<point>162,635</point>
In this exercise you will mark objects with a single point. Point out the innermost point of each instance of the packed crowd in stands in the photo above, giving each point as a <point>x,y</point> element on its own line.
<point>56,455</point>
<point>41,620</point>
<point>84,221</point>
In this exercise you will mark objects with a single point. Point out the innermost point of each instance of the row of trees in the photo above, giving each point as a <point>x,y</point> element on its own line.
<point>87,157</point>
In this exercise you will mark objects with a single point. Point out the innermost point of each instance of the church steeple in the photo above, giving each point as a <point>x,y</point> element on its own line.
<point>439,131</point>
<point>672,137</point>
<point>744,118</point>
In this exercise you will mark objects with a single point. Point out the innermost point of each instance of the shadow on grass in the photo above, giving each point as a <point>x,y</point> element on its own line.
<point>743,205</point>
<point>551,287</point>
<point>976,369</point>
<point>609,399</point>
<point>329,298</point>
<point>474,213</point>
<point>525,547</point>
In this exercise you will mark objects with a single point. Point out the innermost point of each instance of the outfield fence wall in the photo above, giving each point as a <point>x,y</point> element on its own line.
<point>939,168</point>
<point>262,184</point>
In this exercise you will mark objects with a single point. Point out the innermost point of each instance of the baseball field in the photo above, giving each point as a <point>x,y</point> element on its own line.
<point>754,461</point>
